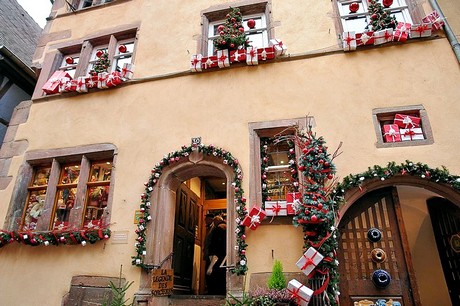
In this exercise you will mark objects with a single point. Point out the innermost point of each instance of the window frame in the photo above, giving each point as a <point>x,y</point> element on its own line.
<point>381,114</point>
<point>57,159</point>
<point>216,14</point>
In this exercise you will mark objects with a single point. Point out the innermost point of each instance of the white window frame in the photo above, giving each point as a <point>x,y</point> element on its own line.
<point>93,3</point>
<point>119,55</point>
<point>70,67</point>
<point>247,31</point>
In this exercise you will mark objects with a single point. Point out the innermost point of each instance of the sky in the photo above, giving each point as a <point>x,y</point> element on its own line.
<point>37,9</point>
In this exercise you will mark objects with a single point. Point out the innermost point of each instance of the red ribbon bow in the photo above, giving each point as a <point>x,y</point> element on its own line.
<point>309,261</point>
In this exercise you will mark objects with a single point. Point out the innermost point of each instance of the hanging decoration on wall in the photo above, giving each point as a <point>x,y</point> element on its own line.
<point>122,48</point>
<point>81,237</point>
<point>240,201</point>
<point>69,60</point>
<point>353,7</point>
<point>251,23</point>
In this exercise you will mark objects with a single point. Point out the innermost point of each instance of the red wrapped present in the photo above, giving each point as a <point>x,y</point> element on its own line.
<point>349,41</point>
<point>114,79</point>
<point>292,196</point>
<point>290,209</point>
<point>279,47</point>
<point>52,85</point>
<point>402,31</point>
<point>391,133</point>
<point>195,63</point>
<point>436,21</point>
<point>383,36</point>
<point>65,85</point>
<point>406,121</point>
<point>309,260</point>
<point>251,56</point>
<point>411,134</point>
<point>210,62</point>
<point>366,38</point>
<point>223,59</point>
<point>91,81</point>
<point>276,208</point>
<point>81,84</point>
<point>102,78</point>
<point>266,53</point>
<point>420,30</point>
<point>127,71</point>
<point>300,293</point>
<point>256,215</point>
<point>238,56</point>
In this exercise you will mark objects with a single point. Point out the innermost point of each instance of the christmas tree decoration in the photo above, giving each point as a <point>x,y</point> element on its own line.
<point>302,294</point>
<point>391,133</point>
<point>353,7</point>
<point>402,31</point>
<point>407,121</point>
<point>379,17</point>
<point>421,30</point>
<point>251,23</point>
<point>102,64</point>
<point>276,208</point>
<point>240,201</point>
<point>434,18</point>
<point>69,60</point>
<point>230,36</point>
<point>349,41</point>
<point>387,3</point>
<point>122,48</point>
<point>254,218</point>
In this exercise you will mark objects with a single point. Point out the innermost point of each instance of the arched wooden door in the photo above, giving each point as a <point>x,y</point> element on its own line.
<point>378,209</point>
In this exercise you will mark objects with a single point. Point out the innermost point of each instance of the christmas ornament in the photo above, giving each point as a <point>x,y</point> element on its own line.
<point>387,3</point>
<point>251,23</point>
<point>122,48</point>
<point>380,18</point>
<point>354,7</point>
<point>99,53</point>
<point>69,60</point>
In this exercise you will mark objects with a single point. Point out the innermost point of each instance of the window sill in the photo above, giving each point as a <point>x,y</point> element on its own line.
<point>279,220</point>
<point>411,143</point>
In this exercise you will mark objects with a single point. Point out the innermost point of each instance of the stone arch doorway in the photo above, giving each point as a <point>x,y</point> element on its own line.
<point>161,231</point>
<point>398,207</point>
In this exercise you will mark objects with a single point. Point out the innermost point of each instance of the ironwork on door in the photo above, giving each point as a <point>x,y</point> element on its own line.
<point>445,218</point>
<point>373,266</point>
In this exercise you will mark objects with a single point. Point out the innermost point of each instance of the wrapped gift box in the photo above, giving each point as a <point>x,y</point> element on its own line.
<point>256,215</point>
<point>91,82</point>
<point>114,79</point>
<point>420,30</point>
<point>65,85</point>
<point>266,53</point>
<point>349,41</point>
<point>436,21</point>
<point>251,56</point>
<point>411,134</point>
<point>238,56</point>
<point>309,260</point>
<point>276,208</point>
<point>383,36</point>
<point>402,31</point>
<point>102,80</point>
<point>210,62</point>
<point>366,38</point>
<point>127,71</point>
<point>406,121</point>
<point>52,85</point>
<point>195,63</point>
<point>291,208</point>
<point>81,84</point>
<point>301,293</point>
<point>292,196</point>
<point>279,47</point>
<point>391,133</point>
<point>223,59</point>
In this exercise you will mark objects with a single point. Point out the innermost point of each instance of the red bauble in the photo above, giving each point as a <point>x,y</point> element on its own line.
<point>241,30</point>
<point>387,3</point>
<point>220,28</point>
<point>374,16</point>
<point>122,48</point>
<point>232,45</point>
<point>354,7</point>
<point>69,60</point>
<point>251,23</point>
<point>232,19</point>
<point>99,53</point>
<point>314,218</point>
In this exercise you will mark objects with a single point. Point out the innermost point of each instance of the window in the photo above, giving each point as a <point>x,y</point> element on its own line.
<point>402,126</point>
<point>70,63</point>
<point>357,21</point>
<point>64,192</point>
<point>81,4</point>
<point>256,10</point>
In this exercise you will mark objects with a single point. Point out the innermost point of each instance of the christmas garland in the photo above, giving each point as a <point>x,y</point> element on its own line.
<point>55,237</point>
<point>240,201</point>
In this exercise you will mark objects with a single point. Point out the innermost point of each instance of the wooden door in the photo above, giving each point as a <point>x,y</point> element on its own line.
<point>375,210</point>
<point>445,218</point>
<point>184,239</point>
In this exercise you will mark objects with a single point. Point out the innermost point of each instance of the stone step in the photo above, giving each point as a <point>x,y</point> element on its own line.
<point>197,300</point>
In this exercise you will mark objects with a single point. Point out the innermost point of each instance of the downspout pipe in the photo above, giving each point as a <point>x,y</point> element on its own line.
<point>448,30</point>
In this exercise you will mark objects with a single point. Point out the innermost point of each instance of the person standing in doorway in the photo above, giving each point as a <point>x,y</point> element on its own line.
<point>217,253</point>
<point>209,218</point>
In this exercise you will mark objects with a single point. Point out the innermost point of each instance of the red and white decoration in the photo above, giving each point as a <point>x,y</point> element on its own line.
<point>302,294</point>
<point>391,133</point>
<point>127,71</point>
<point>383,36</point>
<point>256,215</point>
<point>266,54</point>
<point>223,59</point>
<point>366,38</point>
<point>434,18</point>
<point>349,41</point>
<point>420,30</point>
<point>279,47</point>
<point>251,56</point>
<point>310,259</point>
<point>53,84</point>
<point>407,121</point>
<point>238,56</point>
<point>196,63</point>
<point>411,134</point>
<point>402,31</point>
<point>81,84</point>
<point>276,208</point>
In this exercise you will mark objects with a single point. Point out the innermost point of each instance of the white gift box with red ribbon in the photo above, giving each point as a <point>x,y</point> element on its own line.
<point>309,260</point>
<point>349,41</point>
<point>102,80</point>
<point>411,134</point>
<point>251,56</point>
<point>402,31</point>
<point>366,38</point>
<point>195,63</point>
<point>276,208</point>
<point>383,36</point>
<point>127,71</point>
<point>434,18</point>
<point>256,215</point>
<point>301,293</point>
<point>223,59</point>
<point>420,30</point>
<point>279,47</point>
<point>65,84</point>
<point>81,84</point>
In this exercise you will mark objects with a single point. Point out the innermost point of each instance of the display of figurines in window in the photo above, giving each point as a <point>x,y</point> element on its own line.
<point>70,175</point>
<point>41,177</point>
<point>34,209</point>
<point>64,205</point>
<point>98,197</point>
